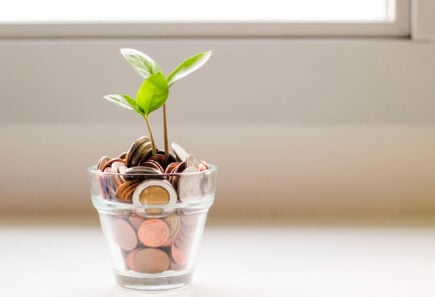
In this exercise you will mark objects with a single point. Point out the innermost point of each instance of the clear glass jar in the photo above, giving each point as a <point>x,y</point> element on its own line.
<point>153,224</point>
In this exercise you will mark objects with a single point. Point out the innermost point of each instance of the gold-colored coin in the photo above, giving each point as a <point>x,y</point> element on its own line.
<point>153,192</point>
<point>154,195</point>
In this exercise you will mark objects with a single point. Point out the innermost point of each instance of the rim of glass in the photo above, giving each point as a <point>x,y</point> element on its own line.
<point>110,205</point>
<point>92,170</point>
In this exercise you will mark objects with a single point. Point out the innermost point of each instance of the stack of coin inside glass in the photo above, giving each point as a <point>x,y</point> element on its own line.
<point>154,245</point>
<point>153,240</point>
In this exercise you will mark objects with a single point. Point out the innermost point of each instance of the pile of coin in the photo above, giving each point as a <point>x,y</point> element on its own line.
<point>151,245</point>
<point>139,177</point>
<point>153,239</point>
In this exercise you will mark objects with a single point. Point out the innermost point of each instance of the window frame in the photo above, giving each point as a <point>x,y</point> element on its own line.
<point>400,27</point>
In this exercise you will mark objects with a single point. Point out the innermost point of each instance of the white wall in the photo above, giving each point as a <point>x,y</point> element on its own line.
<point>300,126</point>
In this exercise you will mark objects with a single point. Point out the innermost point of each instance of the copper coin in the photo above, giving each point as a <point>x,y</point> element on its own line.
<point>153,233</point>
<point>183,241</point>
<point>202,166</point>
<point>125,191</point>
<point>124,235</point>
<point>161,158</point>
<point>101,165</point>
<point>174,178</point>
<point>171,167</point>
<point>148,260</point>
<point>123,156</point>
<point>180,256</point>
<point>135,221</point>
<point>130,258</point>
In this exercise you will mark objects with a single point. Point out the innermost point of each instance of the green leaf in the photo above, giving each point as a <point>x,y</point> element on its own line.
<point>143,64</point>
<point>188,66</point>
<point>152,94</point>
<point>123,101</point>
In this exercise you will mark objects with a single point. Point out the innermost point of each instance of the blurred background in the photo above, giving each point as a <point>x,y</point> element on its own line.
<point>309,108</point>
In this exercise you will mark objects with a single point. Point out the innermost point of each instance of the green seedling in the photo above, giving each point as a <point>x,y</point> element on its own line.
<point>154,91</point>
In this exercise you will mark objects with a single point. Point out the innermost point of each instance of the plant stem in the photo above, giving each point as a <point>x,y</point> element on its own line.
<point>151,135</point>
<point>165,132</point>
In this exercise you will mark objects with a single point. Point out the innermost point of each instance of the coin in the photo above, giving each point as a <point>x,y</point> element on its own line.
<point>122,156</point>
<point>132,149</point>
<point>153,192</point>
<point>125,190</point>
<point>135,220</point>
<point>161,158</point>
<point>141,172</point>
<point>180,256</point>
<point>118,167</point>
<point>190,185</point>
<point>183,242</point>
<point>173,179</point>
<point>113,160</point>
<point>108,184</point>
<point>171,167</point>
<point>173,222</point>
<point>179,152</point>
<point>153,233</point>
<point>143,152</point>
<point>140,149</point>
<point>202,166</point>
<point>153,164</point>
<point>123,234</point>
<point>101,165</point>
<point>191,161</point>
<point>148,260</point>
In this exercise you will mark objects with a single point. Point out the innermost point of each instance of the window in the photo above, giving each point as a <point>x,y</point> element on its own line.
<point>324,146</point>
<point>205,18</point>
<point>199,10</point>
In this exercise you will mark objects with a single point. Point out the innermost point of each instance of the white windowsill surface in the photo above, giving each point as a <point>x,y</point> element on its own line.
<point>290,259</point>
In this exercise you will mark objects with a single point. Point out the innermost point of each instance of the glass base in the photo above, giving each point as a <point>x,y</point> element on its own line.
<point>151,282</point>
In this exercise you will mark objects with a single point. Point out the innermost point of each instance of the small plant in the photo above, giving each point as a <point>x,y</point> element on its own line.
<point>154,91</point>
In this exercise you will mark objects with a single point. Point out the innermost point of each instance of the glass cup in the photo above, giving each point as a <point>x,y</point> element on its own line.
<point>153,224</point>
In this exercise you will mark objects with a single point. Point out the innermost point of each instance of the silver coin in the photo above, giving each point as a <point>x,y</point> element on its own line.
<point>118,167</point>
<point>190,185</point>
<point>140,172</point>
<point>101,165</point>
<point>142,153</point>
<point>191,161</point>
<point>133,151</point>
<point>179,152</point>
